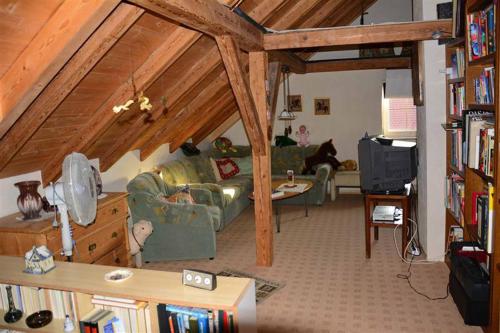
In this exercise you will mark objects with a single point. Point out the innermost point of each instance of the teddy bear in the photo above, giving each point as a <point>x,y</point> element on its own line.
<point>137,235</point>
<point>348,165</point>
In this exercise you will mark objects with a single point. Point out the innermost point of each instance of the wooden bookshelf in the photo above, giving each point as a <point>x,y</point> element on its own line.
<point>475,180</point>
<point>155,287</point>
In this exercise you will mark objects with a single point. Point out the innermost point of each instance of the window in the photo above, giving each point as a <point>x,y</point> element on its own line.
<point>399,117</point>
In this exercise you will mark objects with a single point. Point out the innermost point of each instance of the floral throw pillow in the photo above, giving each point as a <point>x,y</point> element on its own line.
<point>227,168</point>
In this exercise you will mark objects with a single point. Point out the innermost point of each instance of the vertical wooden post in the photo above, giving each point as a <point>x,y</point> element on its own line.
<point>258,63</point>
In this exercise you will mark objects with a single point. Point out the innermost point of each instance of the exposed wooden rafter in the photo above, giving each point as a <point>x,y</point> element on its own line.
<point>258,63</point>
<point>357,64</point>
<point>180,40</point>
<point>207,16</point>
<point>294,63</point>
<point>66,30</point>
<point>218,126</point>
<point>104,117</point>
<point>239,83</point>
<point>67,79</point>
<point>366,34</point>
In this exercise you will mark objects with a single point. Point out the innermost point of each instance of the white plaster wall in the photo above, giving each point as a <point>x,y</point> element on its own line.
<point>431,140</point>
<point>355,96</point>
<point>355,104</point>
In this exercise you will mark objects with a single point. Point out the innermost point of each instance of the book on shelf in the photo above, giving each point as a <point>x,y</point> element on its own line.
<point>484,86</point>
<point>457,98</point>
<point>181,319</point>
<point>34,299</point>
<point>455,234</point>
<point>482,217</point>
<point>455,196</point>
<point>132,315</point>
<point>457,64</point>
<point>473,151</point>
<point>456,138</point>
<point>458,18</point>
<point>481,32</point>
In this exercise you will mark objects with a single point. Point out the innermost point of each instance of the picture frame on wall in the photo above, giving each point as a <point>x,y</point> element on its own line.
<point>321,106</point>
<point>295,103</point>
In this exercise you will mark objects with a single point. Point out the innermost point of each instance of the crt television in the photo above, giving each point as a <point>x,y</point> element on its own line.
<point>386,165</point>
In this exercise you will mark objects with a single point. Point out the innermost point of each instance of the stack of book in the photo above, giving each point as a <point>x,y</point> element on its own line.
<point>482,217</point>
<point>181,319</point>
<point>455,196</point>
<point>31,299</point>
<point>457,99</point>
<point>134,316</point>
<point>457,64</point>
<point>484,86</point>
<point>481,30</point>
<point>479,141</point>
<point>100,321</point>
<point>456,149</point>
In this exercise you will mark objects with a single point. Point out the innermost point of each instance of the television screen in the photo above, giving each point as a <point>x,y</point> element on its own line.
<point>386,165</point>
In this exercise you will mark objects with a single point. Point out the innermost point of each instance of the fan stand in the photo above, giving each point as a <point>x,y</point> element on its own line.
<point>67,241</point>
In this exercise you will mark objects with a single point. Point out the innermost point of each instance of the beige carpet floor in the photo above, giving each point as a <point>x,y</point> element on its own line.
<point>330,286</point>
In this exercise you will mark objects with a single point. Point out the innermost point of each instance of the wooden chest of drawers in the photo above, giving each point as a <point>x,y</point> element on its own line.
<point>104,242</point>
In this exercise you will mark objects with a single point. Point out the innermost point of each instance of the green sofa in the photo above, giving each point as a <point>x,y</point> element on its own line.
<point>217,203</point>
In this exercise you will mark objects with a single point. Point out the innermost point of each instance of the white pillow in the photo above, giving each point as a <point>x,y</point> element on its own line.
<point>215,169</point>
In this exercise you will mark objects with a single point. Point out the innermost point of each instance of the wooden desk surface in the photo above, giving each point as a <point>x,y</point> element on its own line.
<point>10,223</point>
<point>145,285</point>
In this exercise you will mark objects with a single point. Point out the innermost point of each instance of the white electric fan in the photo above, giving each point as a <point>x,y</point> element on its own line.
<point>76,193</point>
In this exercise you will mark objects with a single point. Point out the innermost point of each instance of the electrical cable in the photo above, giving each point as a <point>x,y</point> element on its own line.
<point>411,262</point>
<point>407,277</point>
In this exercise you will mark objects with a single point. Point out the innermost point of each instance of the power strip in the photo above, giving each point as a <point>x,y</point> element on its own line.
<point>414,250</point>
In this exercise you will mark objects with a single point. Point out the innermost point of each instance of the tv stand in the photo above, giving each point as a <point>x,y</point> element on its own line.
<point>393,192</point>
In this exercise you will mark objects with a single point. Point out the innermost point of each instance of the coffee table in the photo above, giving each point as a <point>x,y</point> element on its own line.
<point>287,195</point>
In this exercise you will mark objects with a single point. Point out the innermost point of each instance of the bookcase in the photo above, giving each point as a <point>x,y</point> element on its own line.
<point>472,161</point>
<point>154,287</point>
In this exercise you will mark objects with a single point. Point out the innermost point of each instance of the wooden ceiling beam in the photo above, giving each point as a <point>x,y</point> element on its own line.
<point>273,77</point>
<point>357,64</point>
<point>299,10</point>
<point>67,79</point>
<point>221,123</point>
<point>180,41</point>
<point>104,117</point>
<point>296,64</point>
<point>55,43</point>
<point>207,16</point>
<point>152,137</point>
<point>239,83</point>
<point>354,35</point>
<point>202,119</point>
<point>261,161</point>
<point>187,114</point>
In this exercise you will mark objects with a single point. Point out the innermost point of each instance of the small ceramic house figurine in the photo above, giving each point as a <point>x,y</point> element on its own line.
<point>38,260</point>
<point>303,135</point>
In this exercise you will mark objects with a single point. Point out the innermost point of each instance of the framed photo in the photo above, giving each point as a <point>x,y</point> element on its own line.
<point>321,106</point>
<point>295,102</point>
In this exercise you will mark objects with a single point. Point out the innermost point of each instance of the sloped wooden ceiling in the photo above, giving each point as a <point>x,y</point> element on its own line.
<point>179,69</point>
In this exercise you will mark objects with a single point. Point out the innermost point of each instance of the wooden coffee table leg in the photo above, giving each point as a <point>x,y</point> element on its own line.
<point>375,233</point>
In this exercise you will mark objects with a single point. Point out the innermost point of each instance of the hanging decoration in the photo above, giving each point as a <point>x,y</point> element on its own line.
<point>286,115</point>
<point>144,104</point>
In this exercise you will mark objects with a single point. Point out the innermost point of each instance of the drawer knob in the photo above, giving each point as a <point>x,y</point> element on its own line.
<point>114,211</point>
<point>92,247</point>
<point>114,234</point>
<point>117,260</point>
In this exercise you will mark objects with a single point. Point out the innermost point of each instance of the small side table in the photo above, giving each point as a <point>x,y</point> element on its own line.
<point>403,201</point>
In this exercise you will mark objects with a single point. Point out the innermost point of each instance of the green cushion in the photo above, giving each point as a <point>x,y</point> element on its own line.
<point>245,165</point>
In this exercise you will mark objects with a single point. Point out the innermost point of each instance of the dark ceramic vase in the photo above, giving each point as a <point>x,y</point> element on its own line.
<point>29,201</point>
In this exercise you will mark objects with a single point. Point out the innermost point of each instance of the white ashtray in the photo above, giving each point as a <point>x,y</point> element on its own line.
<point>118,275</point>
